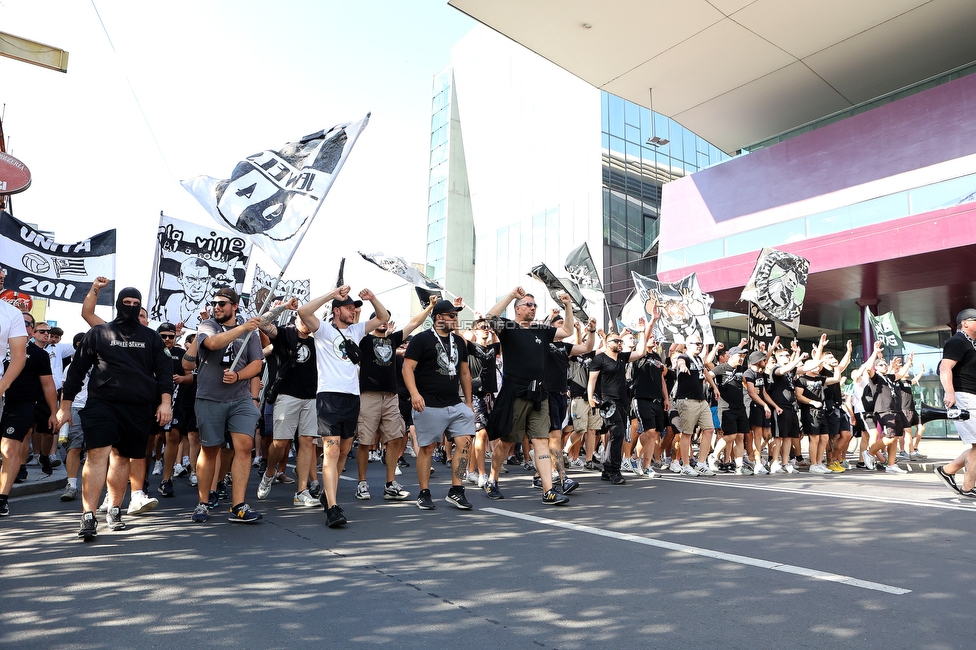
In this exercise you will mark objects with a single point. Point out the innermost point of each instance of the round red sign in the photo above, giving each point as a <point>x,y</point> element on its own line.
<point>21,301</point>
<point>14,175</point>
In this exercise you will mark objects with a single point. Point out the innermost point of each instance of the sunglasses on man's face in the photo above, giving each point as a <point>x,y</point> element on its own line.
<point>42,331</point>
<point>219,303</point>
<point>29,323</point>
<point>530,305</point>
<point>167,336</point>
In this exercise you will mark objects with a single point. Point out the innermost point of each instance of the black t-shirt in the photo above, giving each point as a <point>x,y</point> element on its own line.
<point>887,393</point>
<point>906,397</point>
<point>648,375</point>
<point>526,349</point>
<point>377,369</point>
<point>579,373</point>
<point>26,388</point>
<point>485,356</point>
<point>401,389</point>
<point>557,368</point>
<point>435,357</point>
<point>813,388</point>
<point>669,379</point>
<point>295,363</point>
<point>612,382</point>
<point>758,380</point>
<point>729,382</point>
<point>960,349</point>
<point>781,389</point>
<point>691,383</point>
<point>833,396</point>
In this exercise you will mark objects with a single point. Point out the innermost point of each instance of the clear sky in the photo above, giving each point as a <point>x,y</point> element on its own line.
<point>218,80</point>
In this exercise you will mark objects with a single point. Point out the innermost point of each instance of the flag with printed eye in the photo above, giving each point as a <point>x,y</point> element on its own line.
<point>272,196</point>
<point>778,286</point>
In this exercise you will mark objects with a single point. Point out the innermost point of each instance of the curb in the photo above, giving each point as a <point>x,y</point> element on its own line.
<point>39,483</point>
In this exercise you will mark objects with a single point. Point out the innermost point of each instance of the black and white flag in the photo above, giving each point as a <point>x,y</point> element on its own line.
<point>778,286</point>
<point>39,266</point>
<point>683,307</point>
<point>261,285</point>
<point>762,329</point>
<point>400,267</point>
<point>191,263</point>
<point>582,270</point>
<point>557,286</point>
<point>272,196</point>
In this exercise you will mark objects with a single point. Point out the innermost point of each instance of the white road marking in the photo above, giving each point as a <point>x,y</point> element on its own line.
<point>962,505</point>
<point>704,552</point>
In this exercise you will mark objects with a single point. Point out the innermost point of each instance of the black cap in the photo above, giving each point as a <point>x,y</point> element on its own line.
<point>347,301</point>
<point>166,327</point>
<point>756,357</point>
<point>228,293</point>
<point>965,314</point>
<point>445,307</point>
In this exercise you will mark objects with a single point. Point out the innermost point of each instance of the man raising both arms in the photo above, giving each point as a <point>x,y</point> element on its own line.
<point>337,393</point>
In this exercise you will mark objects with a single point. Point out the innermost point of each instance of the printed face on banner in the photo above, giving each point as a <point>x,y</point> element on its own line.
<point>780,285</point>
<point>683,308</point>
<point>261,289</point>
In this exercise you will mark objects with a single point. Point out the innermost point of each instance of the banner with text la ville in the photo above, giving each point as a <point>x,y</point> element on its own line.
<point>40,266</point>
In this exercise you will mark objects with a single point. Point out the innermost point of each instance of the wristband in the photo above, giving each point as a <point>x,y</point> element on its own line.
<point>237,376</point>
<point>190,358</point>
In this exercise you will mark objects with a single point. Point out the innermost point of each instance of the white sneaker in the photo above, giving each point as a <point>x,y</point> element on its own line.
<point>650,473</point>
<point>760,469</point>
<point>578,463</point>
<point>193,479</point>
<point>743,470</point>
<point>894,469</point>
<point>303,498</point>
<point>688,470</point>
<point>104,506</point>
<point>139,503</point>
<point>626,465</point>
<point>712,464</point>
<point>675,467</point>
<point>264,486</point>
<point>411,451</point>
<point>362,491</point>
<point>903,456</point>
<point>482,480</point>
<point>867,459</point>
<point>397,471</point>
<point>157,468</point>
<point>638,466</point>
<point>845,464</point>
<point>790,469</point>
<point>256,462</point>
<point>776,468</point>
<point>704,470</point>
<point>819,469</point>
<point>471,477</point>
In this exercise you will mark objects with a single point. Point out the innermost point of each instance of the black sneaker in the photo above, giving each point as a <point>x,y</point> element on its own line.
<point>334,517</point>
<point>948,479</point>
<point>242,514</point>
<point>315,489</point>
<point>553,498</point>
<point>605,476</point>
<point>456,497</point>
<point>513,460</point>
<point>213,501</point>
<point>166,488</point>
<point>537,482</point>
<point>56,462</point>
<point>222,493</point>
<point>593,466</point>
<point>569,485</point>
<point>113,518</point>
<point>4,508</point>
<point>401,463</point>
<point>617,479</point>
<point>201,513</point>
<point>969,494</point>
<point>45,464</point>
<point>263,467</point>
<point>89,526</point>
<point>21,475</point>
<point>424,502</point>
<point>491,489</point>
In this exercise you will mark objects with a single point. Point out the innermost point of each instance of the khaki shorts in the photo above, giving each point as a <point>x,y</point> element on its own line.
<point>584,417</point>
<point>379,414</point>
<point>527,421</point>
<point>692,413</point>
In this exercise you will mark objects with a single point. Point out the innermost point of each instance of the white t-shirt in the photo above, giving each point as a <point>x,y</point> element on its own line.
<point>11,326</point>
<point>336,373</point>
<point>58,353</point>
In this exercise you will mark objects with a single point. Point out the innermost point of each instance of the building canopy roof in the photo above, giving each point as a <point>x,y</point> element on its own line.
<point>739,71</point>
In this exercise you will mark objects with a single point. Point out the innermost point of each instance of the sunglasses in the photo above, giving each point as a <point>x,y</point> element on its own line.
<point>526,304</point>
<point>42,331</point>
<point>29,323</point>
<point>219,303</point>
<point>452,316</point>
<point>615,341</point>
<point>167,336</point>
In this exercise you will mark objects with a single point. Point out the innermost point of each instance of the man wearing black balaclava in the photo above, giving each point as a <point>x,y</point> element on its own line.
<point>130,375</point>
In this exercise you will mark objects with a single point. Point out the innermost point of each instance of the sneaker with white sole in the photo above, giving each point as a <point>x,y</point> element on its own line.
<point>193,479</point>
<point>676,467</point>
<point>578,463</point>
<point>113,519</point>
<point>650,473</point>
<point>894,469</point>
<point>140,503</point>
<point>303,498</point>
<point>362,491</point>
<point>819,469</point>
<point>395,492</point>
<point>69,494</point>
<point>743,470</point>
<point>471,477</point>
<point>638,466</point>
<point>704,470</point>
<point>688,470</point>
<point>456,497</point>
<point>759,469</point>
<point>482,480</point>
<point>790,469</point>
<point>104,506</point>
<point>776,468</point>
<point>903,456</point>
<point>157,468</point>
<point>626,465</point>
<point>712,463</point>
<point>264,486</point>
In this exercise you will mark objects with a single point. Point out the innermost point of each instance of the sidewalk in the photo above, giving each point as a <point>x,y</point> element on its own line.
<point>37,482</point>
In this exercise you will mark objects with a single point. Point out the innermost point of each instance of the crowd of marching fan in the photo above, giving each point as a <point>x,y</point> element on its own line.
<point>550,395</point>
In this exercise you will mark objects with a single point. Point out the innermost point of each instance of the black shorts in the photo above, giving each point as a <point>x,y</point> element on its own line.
<point>557,411</point>
<point>482,409</point>
<point>893,423</point>
<point>41,415</point>
<point>179,418</point>
<point>837,421</point>
<point>650,414</point>
<point>814,422</point>
<point>17,421</point>
<point>757,417</point>
<point>123,426</point>
<point>189,421</point>
<point>672,417</point>
<point>406,411</point>
<point>787,424</point>
<point>338,414</point>
<point>734,422</point>
<point>863,423</point>
<point>911,417</point>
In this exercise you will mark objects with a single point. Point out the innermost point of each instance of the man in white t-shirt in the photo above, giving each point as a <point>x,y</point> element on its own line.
<point>13,335</point>
<point>337,393</point>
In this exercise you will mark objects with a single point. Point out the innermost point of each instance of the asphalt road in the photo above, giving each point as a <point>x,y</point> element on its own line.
<point>863,559</point>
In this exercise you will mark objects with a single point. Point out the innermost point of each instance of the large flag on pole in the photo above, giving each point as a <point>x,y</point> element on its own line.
<point>272,196</point>
<point>559,285</point>
<point>191,263</point>
<point>399,267</point>
<point>582,270</point>
<point>778,286</point>
<point>886,331</point>
<point>264,292</point>
<point>683,307</point>
<point>39,266</point>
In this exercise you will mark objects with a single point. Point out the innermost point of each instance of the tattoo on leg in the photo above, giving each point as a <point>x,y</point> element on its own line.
<point>462,465</point>
<point>331,443</point>
<point>543,456</point>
